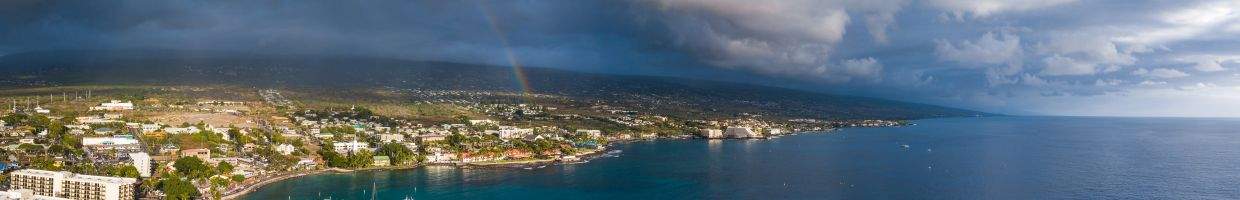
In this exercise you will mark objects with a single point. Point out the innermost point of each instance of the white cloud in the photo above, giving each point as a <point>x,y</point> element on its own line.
<point>1198,86</point>
<point>1160,73</point>
<point>987,50</point>
<point>789,38</point>
<point>1151,83</point>
<point>1183,24</point>
<point>1107,82</point>
<point>985,8</point>
<point>1209,63</point>
<point>1058,65</point>
<point>1031,80</point>
<point>865,67</point>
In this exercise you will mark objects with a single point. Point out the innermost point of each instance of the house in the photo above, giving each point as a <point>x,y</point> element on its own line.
<point>516,154</point>
<point>181,130</point>
<point>114,105</point>
<point>712,133</point>
<point>481,122</point>
<point>202,154</point>
<point>381,161</point>
<point>285,149</point>
<point>113,115</point>
<point>774,131</point>
<point>149,128</point>
<point>349,147</point>
<point>440,157</point>
<point>41,110</point>
<point>741,132</point>
<point>591,133</point>
<point>390,138</point>
<point>431,138</point>
<point>510,132</point>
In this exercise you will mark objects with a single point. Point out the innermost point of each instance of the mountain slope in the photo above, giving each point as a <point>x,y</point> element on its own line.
<point>692,97</point>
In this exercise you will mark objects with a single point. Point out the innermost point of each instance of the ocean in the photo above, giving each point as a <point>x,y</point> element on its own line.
<point>950,158</point>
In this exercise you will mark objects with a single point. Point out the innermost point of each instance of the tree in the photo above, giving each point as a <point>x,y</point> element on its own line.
<point>220,181</point>
<point>332,158</point>
<point>192,167</point>
<point>362,158</point>
<point>238,178</point>
<point>397,152</point>
<point>126,171</point>
<point>224,168</point>
<point>176,189</point>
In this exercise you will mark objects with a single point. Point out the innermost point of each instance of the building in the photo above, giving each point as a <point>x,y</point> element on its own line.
<point>392,137</point>
<point>285,149</point>
<point>511,132</point>
<point>114,105</point>
<point>142,161</point>
<point>712,133</point>
<point>481,122</point>
<point>202,154</point>
<point>349,147</point>
<point>120,143</point>
<point>591,133</point>
<point>431,138</point>
<point>149,128</point>
<point>381,161</point>
<point>775,131</point>
<point>25,194</point>
<point>741,132</point>
<point>180,130</point>
<point>41,110</point>
<point>72,186</point>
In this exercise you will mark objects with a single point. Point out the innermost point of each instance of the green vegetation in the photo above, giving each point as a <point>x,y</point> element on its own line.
<point>192,168</point>
<point>176,188</point>
<point>356,160</point>
<point>399,154</point>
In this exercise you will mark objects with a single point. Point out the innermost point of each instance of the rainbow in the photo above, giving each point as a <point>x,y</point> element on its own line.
<point>517,73</point>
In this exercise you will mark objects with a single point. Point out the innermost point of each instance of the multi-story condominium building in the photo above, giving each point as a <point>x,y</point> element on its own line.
<point>73,186</point>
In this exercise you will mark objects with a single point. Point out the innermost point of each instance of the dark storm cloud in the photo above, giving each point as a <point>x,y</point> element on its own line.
<point>1047,56</point>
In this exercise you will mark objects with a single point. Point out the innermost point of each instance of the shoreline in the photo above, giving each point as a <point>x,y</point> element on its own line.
<point>539,163</point>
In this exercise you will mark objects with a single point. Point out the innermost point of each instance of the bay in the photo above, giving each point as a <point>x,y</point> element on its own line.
<point>951,158</point>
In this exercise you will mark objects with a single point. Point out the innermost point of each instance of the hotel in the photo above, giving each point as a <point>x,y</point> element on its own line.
<point>73,186</point>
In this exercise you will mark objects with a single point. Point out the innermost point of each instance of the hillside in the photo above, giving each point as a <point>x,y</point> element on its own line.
<point>678,96</point>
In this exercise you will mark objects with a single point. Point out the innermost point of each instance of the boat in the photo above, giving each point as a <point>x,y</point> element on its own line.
<point>904,146</point>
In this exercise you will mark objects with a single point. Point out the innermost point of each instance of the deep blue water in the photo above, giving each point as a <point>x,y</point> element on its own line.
<point>956,158</point>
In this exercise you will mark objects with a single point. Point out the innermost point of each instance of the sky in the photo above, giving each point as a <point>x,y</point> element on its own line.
<point>1047,57</point>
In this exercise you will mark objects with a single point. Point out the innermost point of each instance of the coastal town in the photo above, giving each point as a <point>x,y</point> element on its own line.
<point>163,144</point>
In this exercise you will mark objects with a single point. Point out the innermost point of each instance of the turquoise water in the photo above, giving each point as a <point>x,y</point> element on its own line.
<point>957,158</point>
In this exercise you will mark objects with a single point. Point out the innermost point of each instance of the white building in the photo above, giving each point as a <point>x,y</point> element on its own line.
<point>510,132</point>
<point>181,130</point>
<point>72,186</point>
<point>100,141</point>
<point>111,143</point>
<point>591,133</point>
<point>114,105</point>
<point>148,128</point>
<point>481,122</point>
<point>349,147</point>
<point>712,133</point>
<point>142,161</point>
<point>389,138</point>
<point>19,194</point>
<point>285,149</point>
<point>741,132</point>
<point>41,110</point>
